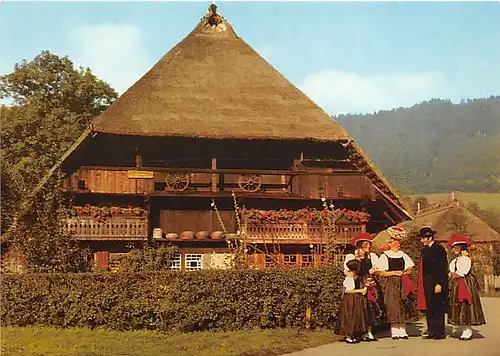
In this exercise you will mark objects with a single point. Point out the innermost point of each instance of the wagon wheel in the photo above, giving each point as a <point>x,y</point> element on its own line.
<point>250,182</point>
<point>178,182</point>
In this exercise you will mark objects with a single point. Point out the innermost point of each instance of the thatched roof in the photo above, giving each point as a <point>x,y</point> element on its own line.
<point>213,84</point>
<point>441,218</point>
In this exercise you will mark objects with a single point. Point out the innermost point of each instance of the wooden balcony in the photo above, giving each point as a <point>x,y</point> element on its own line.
<point>115,228</point>
<point>301,233</point>
<point>262,261</point>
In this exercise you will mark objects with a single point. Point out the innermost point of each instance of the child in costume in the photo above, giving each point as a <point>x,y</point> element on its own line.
<point>465,305</point>
<point>375,303</point>
<point>352,320</point>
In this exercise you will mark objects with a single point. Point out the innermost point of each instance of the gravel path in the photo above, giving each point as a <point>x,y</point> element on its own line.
<point>486,341</point>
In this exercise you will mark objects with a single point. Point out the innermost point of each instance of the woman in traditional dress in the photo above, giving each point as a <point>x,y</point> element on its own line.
<point>394,267</point>
<point>352,318</point>
<point>375,303</point>
<point>465,305</point>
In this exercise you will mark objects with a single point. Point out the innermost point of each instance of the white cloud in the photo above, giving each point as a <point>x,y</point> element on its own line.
<point>341,92</point>
<point>114,53</point>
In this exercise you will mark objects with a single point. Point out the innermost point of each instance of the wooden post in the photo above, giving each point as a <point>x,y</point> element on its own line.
<point>214,175</point>
<point>138,161</point>
<point>308,317</point>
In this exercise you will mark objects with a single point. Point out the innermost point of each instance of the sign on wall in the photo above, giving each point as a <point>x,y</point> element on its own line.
<point>140,174</point>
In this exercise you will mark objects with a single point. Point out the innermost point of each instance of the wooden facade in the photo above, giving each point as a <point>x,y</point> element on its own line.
<point>177,199</point>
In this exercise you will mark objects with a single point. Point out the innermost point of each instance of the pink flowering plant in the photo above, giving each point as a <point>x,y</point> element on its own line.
<point>302,216</point>
<point>105,211</point>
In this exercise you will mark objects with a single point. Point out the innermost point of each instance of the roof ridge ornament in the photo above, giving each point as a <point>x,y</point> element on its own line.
<point>213,18</point>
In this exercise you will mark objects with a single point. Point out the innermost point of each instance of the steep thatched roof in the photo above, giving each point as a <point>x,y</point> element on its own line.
<point>441,218</point>
<point>213,84</point>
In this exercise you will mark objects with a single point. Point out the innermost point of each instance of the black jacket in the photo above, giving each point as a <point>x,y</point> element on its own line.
<point>435,271</point>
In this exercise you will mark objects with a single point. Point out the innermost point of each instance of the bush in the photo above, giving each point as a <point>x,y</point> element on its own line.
<point>173,301</point>
<point>149,258</point>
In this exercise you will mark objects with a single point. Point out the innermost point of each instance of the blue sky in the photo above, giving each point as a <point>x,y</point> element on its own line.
<point>347,56</point>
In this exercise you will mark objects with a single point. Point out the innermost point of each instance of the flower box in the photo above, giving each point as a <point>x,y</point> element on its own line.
<point>103,212</point>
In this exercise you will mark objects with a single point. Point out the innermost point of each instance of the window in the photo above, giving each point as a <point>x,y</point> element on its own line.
<point>290,260</point>
<point>193,262</point>
<point>307,261</point>
<point>175,264</point>
<point>270,261</point>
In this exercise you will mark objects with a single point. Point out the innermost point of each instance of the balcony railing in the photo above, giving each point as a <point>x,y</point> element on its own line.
<point>293,260</point>
<point>111,228</point>
<point>295,232</point>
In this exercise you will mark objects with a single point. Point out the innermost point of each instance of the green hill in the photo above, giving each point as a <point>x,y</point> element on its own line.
<point>435,146</point>
<point>485,201</point>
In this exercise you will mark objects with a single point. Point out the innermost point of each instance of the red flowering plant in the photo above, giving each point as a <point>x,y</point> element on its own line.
<point>302,216</point>
<point>102,212</point>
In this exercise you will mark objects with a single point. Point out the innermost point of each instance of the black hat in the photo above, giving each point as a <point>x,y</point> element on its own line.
<point>354,265</point>
<point>426,231</point>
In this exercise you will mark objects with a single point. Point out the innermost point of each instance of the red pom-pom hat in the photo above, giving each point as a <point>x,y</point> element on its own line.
<point>459,239</point>
<point>362,236</point>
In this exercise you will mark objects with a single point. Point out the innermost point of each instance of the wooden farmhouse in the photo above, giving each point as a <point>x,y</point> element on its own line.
<point>213,122</point>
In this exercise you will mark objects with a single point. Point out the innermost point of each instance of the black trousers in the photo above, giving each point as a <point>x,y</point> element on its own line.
<point>435,322</point>
<point>436,308</point>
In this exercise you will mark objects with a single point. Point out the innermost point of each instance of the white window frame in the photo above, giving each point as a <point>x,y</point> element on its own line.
<point>193,257</point>
<point>176,263</point>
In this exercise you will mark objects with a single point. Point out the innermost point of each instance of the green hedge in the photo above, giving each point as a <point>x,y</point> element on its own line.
<point>173,301</point>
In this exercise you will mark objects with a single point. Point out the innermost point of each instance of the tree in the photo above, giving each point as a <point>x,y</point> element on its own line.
<point>39,239</point>
<point>420,202</point>
<point>53,104</point>
<point>51,84</point>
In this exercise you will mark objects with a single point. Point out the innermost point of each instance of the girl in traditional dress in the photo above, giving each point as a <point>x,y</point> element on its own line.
<point>394,267</point>
<point>375,303</point>
<point>465,305</point>
<point>352,318</point>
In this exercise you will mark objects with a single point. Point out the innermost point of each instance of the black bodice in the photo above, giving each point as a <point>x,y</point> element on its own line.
<point>396,264</point>
<point>366,266</point>
<point>358,283</point>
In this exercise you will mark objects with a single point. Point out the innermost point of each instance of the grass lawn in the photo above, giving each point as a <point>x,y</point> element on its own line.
<point>484,200</point>
<point>78,341</point>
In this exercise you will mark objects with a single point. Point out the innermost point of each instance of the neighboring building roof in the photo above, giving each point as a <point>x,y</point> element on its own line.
<point>440,218</point>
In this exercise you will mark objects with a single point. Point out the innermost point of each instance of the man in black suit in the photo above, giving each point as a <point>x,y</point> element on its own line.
<point>435,282</point>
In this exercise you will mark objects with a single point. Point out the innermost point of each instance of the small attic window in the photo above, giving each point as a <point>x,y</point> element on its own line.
<point>81,184</point>
<point>340,191</point>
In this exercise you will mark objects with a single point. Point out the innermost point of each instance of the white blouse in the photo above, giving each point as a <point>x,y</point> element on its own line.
<point>349,257</point>
<point>349,283</point>
<point>461,265</point>
<point>383,260</point>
